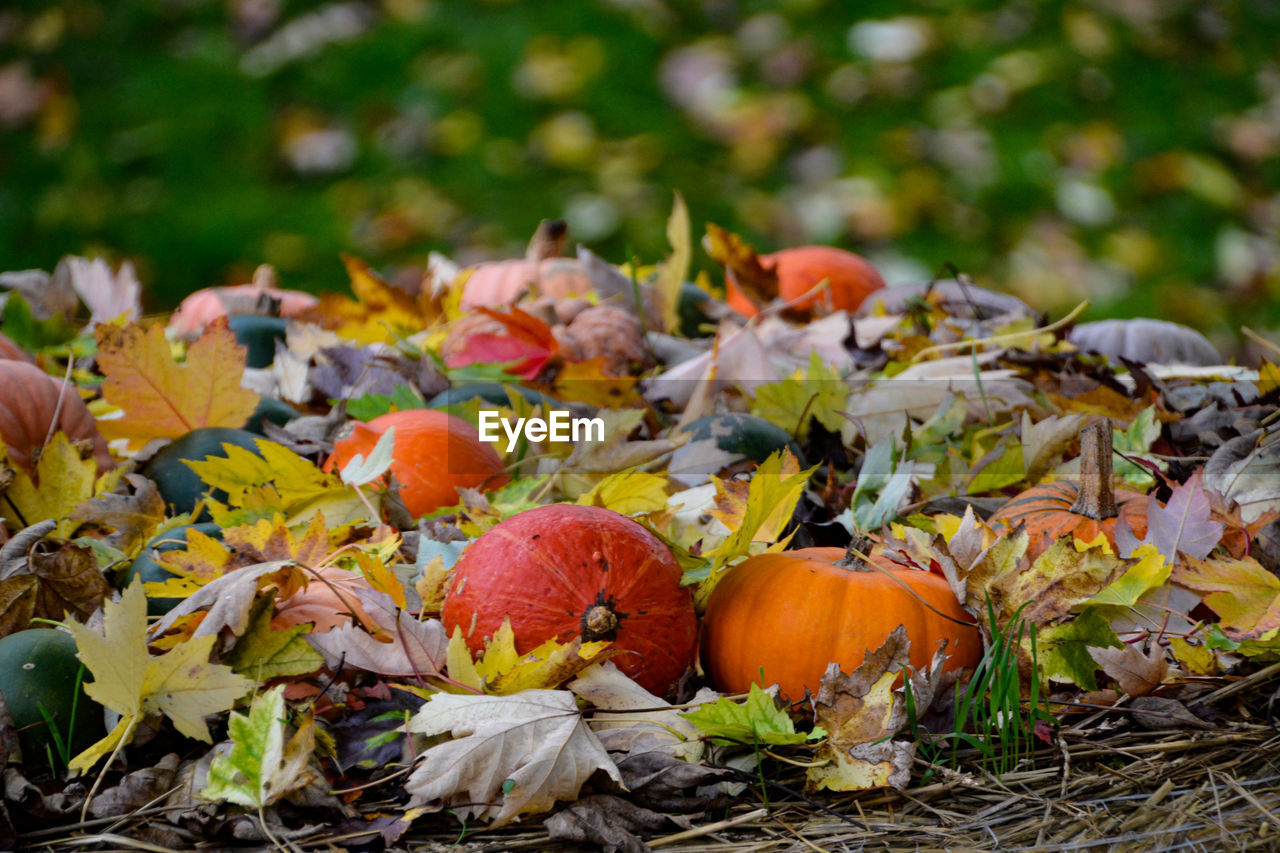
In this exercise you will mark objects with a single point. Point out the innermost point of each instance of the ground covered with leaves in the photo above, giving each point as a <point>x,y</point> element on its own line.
<point>285,680</point>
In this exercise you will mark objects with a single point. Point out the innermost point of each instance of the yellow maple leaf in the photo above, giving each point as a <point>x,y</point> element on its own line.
<point>164,399</point>
<point>503,670</point>
<point>271,539</point>
<point>1268,377</point>
<point>63,481</point>
<point>586,382</point>
<point>380,313</point>
<point>628,492</point>
<point>181,683</point>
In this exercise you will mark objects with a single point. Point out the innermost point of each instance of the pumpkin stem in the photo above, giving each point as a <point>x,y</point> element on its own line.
<point>601,621</point>
<point>548,240</point>
<point>1095,496</point>
<point>853,558</point>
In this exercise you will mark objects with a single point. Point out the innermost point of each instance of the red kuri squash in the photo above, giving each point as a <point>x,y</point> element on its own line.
<point>564,571</point>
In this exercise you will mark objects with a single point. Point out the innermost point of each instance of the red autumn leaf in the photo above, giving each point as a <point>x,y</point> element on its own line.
<point>528,344</point>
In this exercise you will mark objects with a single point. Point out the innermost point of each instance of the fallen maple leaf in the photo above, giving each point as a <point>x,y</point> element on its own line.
<point>511,755</point>
<point>1184,524</point>
<point>861,714</point>
<point>164,399</point>
<point>406,648</point>
<point>1135,671</point>
<point>181,684</point>
<point>528,344</point>
<point>131,518</point>
<point>261,766</point>
<point>63,480</point>
<point>53,580</point>
<point>1243,593</point>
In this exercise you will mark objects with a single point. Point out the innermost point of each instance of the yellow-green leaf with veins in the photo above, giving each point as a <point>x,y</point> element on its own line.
<point>675,269</point>
<point>293,478</point>
<point>1149,572</point>
<point>261,766</point>
<point>63,481</point>
<point>817,390</point>
<point>181,683</point>
<point>628,492</point>
<point>756,721</point>
<point>164,399</point>
<point>265,653</point>
<point>758,515</point>
<point>503,670</point>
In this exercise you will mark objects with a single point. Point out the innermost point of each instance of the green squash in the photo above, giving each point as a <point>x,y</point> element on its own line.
<point>178,484</point>
<point>692,310</point>
<point>39,670</point>
<point>742,435</point>
<point>270,409</point>
<point>259,334</point>
<point>146,567</point>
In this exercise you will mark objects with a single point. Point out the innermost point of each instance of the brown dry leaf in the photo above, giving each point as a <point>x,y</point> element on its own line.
<point>407,648</point>
<point>741,262</point>
<point>861,714</point>
<point>132,518</point>
<point>328,598</point>
<point>229,600</point>
<point>58,579</point>
<point>164,399</point>
<point>1135,672</point>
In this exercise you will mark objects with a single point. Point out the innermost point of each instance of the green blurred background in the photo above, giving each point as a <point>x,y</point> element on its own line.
<point>1120,150</point>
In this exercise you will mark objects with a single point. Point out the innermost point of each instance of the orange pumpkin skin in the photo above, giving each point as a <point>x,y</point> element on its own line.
<point>499,283</point>
<point>782,618</point>
<point>1046,511</point>
<point>434,454</point>
<point>204,306</point>
<point>28,401</point>
<point>549,568</point>
<point>851,279</point>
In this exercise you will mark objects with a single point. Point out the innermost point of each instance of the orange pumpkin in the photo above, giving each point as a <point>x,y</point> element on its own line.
<point>1083,508</point>
<point>434,454</point>
<point>29,404</point>
<point>850,279</point>
<point>783,617</point>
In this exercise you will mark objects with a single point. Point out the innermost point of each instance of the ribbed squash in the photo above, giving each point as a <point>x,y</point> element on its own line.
<point>783,617</point>
<point>433,455</point>
<point>30,402</point>
<point>1082,508</point>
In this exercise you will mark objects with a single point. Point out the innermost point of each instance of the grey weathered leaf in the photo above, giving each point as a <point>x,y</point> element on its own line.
<point>1184,523</point>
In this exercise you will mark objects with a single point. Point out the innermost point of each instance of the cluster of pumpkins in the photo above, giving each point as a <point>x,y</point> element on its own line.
<point>558,571</point>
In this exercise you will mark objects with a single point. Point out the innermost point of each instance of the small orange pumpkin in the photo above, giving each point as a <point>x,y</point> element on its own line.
<point>783,617</point>
<point>1082,508</point>
<point>29,402</point>
<point>434,454</point>
<point>850,279</point>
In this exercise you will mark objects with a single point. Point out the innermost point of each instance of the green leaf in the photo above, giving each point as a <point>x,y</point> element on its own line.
<point>1136,440</point>
<point>1149,572</point>
<point>261,766</point>
<point>370,406</point>
<point>361,471</point>
<point>264,653</point>
<point>1064,649</point>
<point>758,720</point>
<point>818,390</point>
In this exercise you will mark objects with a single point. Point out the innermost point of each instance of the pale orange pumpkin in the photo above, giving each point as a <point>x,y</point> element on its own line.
<point>204,306</point>
<point>29,405</point>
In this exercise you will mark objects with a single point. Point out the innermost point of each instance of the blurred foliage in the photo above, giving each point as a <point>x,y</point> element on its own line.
<point>1121,150</point>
